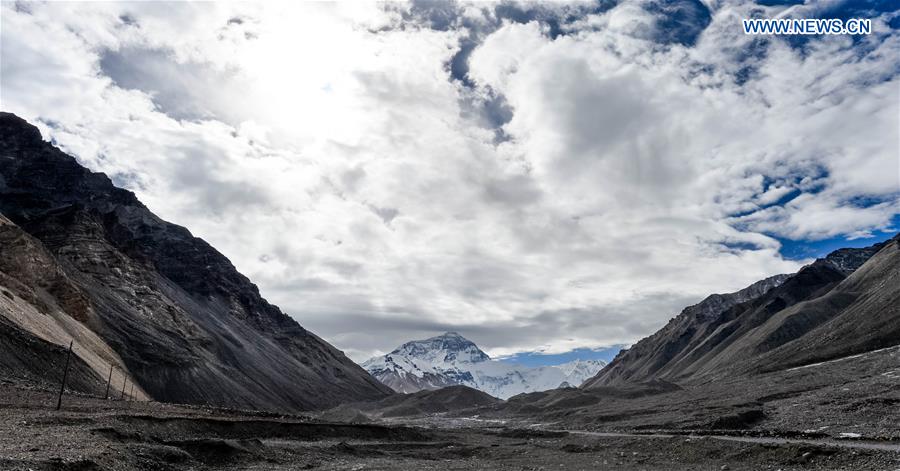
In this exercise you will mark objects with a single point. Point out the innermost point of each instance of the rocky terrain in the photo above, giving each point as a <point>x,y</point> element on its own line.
<point>83,260</point>
<point>93,434</point>
<point>451,359</point>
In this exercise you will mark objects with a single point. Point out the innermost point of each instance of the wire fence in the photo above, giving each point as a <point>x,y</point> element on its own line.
<point>112,392</point>
<point>126,393</point>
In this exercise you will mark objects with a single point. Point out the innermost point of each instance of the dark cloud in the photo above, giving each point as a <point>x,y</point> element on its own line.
<point>599,113</point>
<point>345,268</point>
<point>202,174</point>
<point>22,7</point>
<point>440,16</point>
<point>459,63</point>
<point>517,190</point>
<point>482,279</point>
<point>386,214</point>
<point>372,328</point>
<point>180,90</point>
<point>351,179</point>
<point>497,110</point>
<point>128,20</point>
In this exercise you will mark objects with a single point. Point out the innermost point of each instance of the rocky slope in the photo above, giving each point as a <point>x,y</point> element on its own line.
<point>844,303</point>
<point>450,359</point>
<point>146,296</point>
<point>455,399</point>
<point>41,310</point>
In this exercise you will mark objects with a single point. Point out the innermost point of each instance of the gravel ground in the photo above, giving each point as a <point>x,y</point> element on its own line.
<point>92,434</point>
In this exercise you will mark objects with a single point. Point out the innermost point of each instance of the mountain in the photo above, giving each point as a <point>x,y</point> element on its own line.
<point>845,303</point>
<point>450,359</point>
<point>645,359</point>
<point>84,260</point>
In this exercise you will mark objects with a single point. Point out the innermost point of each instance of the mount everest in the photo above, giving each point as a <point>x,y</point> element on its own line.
<point>451,359</point>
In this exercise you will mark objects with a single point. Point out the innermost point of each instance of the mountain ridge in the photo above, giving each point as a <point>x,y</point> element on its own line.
<point>745,335</point>
<point>451,359</point>
<point>187,325</point>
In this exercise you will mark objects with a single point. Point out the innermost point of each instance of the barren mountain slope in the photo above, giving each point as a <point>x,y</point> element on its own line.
<point>860,314</point>
<point>41,310</point>
<point>644,360</point>
<point>184,322</point>
<point>847,297</point>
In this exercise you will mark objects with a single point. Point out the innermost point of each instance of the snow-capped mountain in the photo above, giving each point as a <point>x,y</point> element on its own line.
<point>450,359</point>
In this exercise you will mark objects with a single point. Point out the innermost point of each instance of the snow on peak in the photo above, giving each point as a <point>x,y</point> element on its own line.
<point>577,368</point>
<point>450,359</point>
<point>447,348</point>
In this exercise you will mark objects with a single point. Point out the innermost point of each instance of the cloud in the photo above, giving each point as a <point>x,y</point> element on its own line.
<point>174,86</point>
<point>537,177</point>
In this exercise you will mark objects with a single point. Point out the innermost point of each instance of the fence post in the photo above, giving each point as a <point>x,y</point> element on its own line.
<point>62,387</point>
<point>124,382</point>
<point>108,381</point>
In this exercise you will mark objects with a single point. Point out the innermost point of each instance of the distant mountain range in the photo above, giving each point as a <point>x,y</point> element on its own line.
<point>451,359</point>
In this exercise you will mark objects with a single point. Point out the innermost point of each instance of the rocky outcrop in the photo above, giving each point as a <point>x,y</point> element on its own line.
<point>41,311</point>
<point>185,323</point>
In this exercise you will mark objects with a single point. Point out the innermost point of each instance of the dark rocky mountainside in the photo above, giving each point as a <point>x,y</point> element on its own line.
<point>845,303</point>
<point>83,259</point>
<point>451,399</point>
<point>35,294</point>
<point>648,357</point>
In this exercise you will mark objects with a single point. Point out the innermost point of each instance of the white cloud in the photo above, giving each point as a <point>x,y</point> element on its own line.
<point>327,152</point>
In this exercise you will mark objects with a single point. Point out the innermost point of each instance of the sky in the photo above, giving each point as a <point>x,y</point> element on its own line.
<point>537,358</point>
<point>546,179</point>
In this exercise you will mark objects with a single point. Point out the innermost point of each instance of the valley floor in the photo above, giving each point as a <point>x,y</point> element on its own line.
<point>92,434</point>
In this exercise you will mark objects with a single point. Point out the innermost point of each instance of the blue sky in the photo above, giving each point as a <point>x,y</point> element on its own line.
<point>802,250</point>
<point>541,359</point>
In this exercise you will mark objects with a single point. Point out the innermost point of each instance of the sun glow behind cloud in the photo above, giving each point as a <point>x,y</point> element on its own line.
<point>581,176</point>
